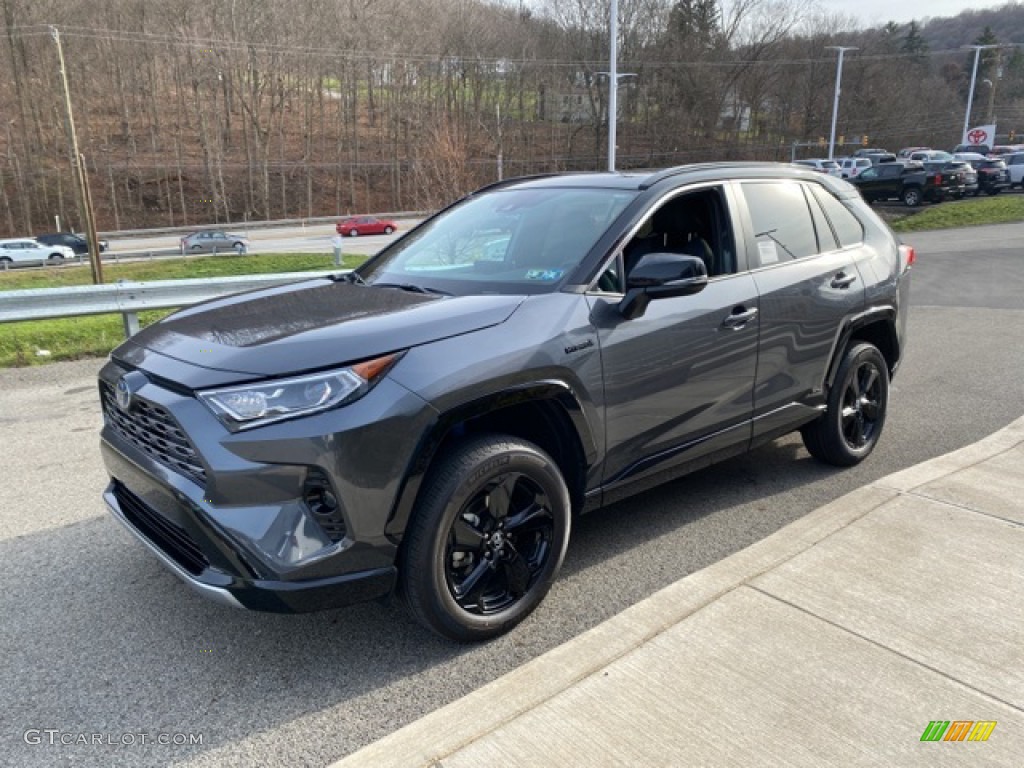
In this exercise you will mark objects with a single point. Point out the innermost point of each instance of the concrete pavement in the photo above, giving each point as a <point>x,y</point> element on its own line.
<point>835,641</point>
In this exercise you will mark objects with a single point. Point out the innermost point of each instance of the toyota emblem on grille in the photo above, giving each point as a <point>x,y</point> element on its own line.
<point>123,393</point>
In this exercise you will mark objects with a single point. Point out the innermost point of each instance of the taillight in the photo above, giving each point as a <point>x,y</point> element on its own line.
<point>938,178</point>
<point>907,257</point>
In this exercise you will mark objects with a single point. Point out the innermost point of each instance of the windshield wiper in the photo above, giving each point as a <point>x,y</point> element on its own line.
<point>411,287</point>
<point>349,277</point>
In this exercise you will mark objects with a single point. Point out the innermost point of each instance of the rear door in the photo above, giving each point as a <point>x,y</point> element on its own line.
<point>808,284</point>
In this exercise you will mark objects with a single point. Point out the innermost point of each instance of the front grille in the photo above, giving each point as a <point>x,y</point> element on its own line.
<point>155,432</point>
<point>174,540</point>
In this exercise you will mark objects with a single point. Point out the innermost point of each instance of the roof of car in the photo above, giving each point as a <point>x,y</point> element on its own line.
<point>642,179</point>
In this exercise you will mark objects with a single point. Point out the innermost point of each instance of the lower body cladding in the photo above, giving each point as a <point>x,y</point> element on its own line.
<point>303,532</point>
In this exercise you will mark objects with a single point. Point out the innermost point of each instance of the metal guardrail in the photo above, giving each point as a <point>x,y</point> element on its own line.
<point>128,298</point>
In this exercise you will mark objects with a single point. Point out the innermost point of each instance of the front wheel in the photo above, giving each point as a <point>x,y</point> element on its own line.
<point>487,538</point>
<point>353,233</point>
<point>855,413</point>
<point>993,192</point>
<point>912,197</point>
<point>388,230</point>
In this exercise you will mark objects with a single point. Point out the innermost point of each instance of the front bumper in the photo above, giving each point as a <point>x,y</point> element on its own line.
<point>233,519</point>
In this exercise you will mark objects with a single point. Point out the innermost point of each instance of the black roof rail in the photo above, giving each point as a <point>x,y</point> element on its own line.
<point>668,173</point>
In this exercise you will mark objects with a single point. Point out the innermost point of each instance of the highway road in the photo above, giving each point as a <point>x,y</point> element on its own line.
<point>97,638</point>
<point>314,238</point>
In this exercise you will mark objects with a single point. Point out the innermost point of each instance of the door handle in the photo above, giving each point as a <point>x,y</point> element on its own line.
<point>843,280</point>
<point>739,318</point>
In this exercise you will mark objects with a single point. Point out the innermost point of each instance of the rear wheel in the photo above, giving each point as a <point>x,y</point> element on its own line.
<point>994,191</point>
<point>353,233</point>
<point>55,258</point>
<point>912,196</point>
<point>5,262</point>
<point>852,423</point>
<point>388,230</point>
<point>487,538</point>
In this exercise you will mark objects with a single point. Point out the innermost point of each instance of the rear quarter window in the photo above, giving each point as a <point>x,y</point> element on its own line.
<point>847,227</point>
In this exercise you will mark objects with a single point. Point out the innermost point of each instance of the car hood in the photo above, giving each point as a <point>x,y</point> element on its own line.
<point>309,325</point>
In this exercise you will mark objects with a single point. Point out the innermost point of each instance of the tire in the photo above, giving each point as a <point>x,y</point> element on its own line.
<point>486,540</point>
<point>196,248</point>
<point>911,197</point>
<point>239,248</point>
<point>852,423</point>
<point>353,233</point>
<point>55,258</point>
<point>388,230</point>
<point>6,262</point>
<point>993,192</point>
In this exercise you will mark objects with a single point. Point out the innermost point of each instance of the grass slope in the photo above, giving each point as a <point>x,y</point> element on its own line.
<point>43,341</point>
<point>1000,209</point>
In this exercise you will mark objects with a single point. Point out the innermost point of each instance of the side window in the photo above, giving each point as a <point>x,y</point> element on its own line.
<point>783,228</point>
<point>847,226</point>
<point>693,223</point>
<point>869,173</point>
<point>826,240</point>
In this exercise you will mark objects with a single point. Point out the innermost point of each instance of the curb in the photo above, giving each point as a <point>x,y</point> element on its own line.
<point>427,741</point>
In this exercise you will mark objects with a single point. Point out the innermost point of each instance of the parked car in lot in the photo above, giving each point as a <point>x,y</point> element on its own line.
<point>214,241</point>
<point>850,167</point>
<point>909,182</point>
<point>831,167</point>
<point>26,250</point>
<point>77,243</point>
<point>365,225</point>
<point>983,149</point>
<point>959,176</point>
<point>993,175</point>
<point>1015,167</point>
<point>906,152</point>
<point>433,421</point>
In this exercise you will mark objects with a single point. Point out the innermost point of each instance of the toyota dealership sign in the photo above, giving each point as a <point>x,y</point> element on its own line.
<point>982,134</point>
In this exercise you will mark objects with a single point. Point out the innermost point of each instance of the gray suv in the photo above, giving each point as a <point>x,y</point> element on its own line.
<point>431,423</point>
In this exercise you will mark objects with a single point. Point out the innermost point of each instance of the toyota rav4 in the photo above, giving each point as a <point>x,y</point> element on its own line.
<point>430,423</point>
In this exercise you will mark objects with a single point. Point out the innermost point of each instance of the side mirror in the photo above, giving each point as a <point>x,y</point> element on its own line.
<point>660,276</point>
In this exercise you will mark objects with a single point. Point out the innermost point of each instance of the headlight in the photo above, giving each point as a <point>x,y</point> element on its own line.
<point>254,405</point>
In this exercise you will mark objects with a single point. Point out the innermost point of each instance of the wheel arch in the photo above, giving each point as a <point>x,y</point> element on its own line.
<point>876,326</point>
<point>546,413</point>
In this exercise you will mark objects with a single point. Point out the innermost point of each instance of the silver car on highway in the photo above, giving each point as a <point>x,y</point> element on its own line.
<point>214,241</point>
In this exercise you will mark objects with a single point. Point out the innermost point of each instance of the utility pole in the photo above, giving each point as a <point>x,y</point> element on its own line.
<point>84,203</point>
<point>835,103</point>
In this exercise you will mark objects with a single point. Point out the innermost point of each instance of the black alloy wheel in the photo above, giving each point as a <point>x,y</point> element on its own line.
<point>498,544</point>
<point>855,413</point>
<point>487,538</point>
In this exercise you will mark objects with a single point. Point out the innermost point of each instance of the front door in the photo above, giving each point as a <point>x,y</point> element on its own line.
<point>679,379</point>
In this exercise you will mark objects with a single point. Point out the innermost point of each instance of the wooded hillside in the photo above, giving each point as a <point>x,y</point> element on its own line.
<point>200,111</point>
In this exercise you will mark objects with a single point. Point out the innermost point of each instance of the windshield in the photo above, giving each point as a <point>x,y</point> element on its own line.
<point>505,241</point>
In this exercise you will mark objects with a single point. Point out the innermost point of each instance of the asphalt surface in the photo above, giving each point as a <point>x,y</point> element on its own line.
<point>98,639</point>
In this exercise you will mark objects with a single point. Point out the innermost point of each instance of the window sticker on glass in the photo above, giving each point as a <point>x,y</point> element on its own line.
<point>767,251</point>
<point>544,274</point>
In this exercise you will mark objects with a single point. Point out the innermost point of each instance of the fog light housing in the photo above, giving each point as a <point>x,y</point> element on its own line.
<point>322,502</point>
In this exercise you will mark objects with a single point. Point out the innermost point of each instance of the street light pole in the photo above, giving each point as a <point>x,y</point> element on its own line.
<point>835,104</point>
<point>974,78</point>
<point>613,83</point>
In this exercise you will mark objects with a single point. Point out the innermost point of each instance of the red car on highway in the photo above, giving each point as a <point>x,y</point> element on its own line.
<point>365,225</point>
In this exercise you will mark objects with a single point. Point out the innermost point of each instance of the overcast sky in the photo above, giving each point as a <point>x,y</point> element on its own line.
<point>877,12</point>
